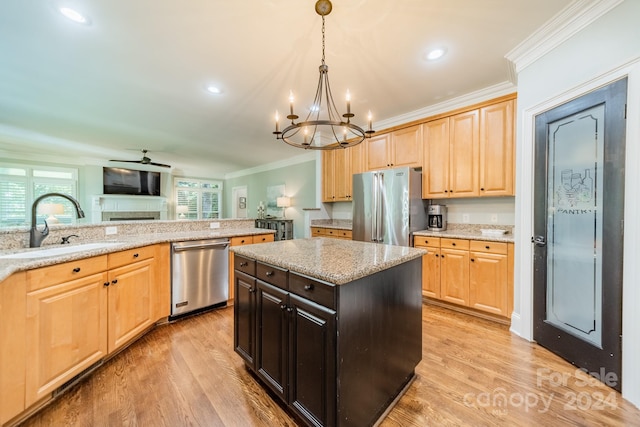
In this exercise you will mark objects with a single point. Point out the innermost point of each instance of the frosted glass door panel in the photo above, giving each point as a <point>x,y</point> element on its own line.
<point>574,224</point>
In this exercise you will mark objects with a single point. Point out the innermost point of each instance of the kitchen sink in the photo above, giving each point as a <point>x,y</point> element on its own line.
<point>59,250</point>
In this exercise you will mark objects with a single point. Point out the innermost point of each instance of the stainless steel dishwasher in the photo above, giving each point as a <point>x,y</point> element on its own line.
<point>199,275</point>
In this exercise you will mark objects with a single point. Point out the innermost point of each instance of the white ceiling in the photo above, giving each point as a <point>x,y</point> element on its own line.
<point>136,77</point>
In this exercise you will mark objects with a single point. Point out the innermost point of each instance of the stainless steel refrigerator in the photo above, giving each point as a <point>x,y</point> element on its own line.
<point>388,206</point>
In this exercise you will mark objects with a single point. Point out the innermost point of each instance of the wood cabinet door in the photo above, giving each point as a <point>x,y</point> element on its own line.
<point>454,275</point>
<point>65,332</point>
<point>488,282</point>
<point>272,333</point>
<point>464,154</point>
<point>435,172</point>
<point>357,159</point>
<point>342,175</point>
<point>12,345</point>
<point>130,302</point>
<point>312,361</point>
<point>406,147</point>
<point>328,173</point>
<point>377,152</point>
<point>244,335</point>
<point>431,273</point>
<point>497,149</point>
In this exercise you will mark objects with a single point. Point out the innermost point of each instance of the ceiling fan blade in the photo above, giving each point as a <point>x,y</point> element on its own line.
<point>126,161</point>
<point>159,164</point>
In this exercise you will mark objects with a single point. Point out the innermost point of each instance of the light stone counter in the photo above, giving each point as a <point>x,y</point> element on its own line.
<point>331,260</point>
<point>130,241</point>
<point>466,234</point>
<point>338,224</point>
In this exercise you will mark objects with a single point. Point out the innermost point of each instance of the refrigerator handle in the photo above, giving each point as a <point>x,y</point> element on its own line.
<point>374,216</point>
<point>380,189</point>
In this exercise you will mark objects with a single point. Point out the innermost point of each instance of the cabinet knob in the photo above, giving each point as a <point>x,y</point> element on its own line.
<point>105,284</point>
<point>441,256</point>
<point>446,191</point>
<point>487,247</point>
<point>308,287</point>
<point>114,281</point>
<point>453,244</point>
<point>251,290</point>
<point>473,260</point>
<point>242,241</point>
<point>269,273</point>
<point>136,255</point>
<point>437,255</point>
<point>244,264</point>
<point>76,270</point>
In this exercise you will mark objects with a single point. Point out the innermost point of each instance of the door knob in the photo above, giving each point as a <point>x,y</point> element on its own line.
<point>539,241</point>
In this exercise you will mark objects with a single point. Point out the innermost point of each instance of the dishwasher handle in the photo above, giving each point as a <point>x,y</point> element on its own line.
<point>200,246</point>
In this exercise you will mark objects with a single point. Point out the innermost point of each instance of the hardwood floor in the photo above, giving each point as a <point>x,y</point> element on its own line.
<point>186,374</point>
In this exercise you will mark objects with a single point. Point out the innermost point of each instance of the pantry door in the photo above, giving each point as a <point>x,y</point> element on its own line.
<point>578,230</point>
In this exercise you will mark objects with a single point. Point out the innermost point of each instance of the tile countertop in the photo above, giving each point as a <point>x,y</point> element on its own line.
<point>12,265</point>
<point>331,260</point>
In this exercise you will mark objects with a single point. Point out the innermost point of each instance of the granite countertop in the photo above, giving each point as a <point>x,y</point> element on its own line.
<point>9,266</point>
<point>331,260</point>
<point>338,224</point>
<point>466,234</point>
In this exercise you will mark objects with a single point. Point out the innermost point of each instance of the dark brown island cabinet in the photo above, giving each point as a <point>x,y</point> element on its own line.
<point>336,355</point>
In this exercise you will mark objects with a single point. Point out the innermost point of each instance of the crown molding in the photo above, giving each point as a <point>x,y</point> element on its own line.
<point>302,158</point>
<point>572,19</point>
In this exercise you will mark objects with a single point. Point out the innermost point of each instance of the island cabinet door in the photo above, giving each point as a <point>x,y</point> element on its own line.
<point>272,327</point>
<point>244,335</point>
<point>312,377</point>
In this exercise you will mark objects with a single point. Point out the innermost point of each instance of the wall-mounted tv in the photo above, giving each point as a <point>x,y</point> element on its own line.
<point>129,181</point>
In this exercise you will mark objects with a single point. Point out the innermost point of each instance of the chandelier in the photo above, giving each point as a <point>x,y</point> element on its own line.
<point>331,130</point>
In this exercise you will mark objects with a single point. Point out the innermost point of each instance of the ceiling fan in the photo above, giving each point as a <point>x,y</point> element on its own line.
<point>144,161</point>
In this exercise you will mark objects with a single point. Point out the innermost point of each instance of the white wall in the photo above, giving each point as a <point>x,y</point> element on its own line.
<point>607,49</point>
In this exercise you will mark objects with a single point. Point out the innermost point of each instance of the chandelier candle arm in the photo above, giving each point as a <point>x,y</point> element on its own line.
<point>323,133</point>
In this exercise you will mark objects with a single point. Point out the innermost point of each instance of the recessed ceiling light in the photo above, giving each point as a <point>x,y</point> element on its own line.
<point>74,15</point>
<point>214,90</point>
<point>434,54</point>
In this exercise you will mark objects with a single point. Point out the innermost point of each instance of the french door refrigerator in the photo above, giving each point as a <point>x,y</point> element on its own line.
<point>387,206</point>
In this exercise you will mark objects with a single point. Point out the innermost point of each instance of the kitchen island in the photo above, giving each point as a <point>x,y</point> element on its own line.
<point>332,327</point>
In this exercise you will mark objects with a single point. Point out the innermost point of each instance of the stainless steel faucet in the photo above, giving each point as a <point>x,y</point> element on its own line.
<point>36,236</point>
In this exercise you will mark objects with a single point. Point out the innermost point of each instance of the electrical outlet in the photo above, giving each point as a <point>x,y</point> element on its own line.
<point>494,218</point>
<point>214,225</point>
<point>465,218</point>
<point>110,230</point>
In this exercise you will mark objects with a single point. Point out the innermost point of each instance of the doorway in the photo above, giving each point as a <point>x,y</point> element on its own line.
<point>239,202</point>
<point>578,230</point>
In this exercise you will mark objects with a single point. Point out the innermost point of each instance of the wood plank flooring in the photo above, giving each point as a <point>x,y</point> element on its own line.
<point>473,372</point>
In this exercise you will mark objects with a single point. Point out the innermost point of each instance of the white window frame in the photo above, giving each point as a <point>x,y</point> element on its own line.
<point>199,190</point>
<point>30,180</point>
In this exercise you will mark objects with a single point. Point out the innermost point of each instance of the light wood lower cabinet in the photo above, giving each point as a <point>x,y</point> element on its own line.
<point>469,273</point>
<point>336,233</point>
<point>12,346</point>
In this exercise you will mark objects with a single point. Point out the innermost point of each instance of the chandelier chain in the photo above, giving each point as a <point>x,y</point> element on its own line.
<point>323,39</point>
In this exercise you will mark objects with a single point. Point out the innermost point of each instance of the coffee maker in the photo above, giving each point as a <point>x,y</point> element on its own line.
<point>437,217</point>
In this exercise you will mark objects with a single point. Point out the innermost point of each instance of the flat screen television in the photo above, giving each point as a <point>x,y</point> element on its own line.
<point>129,181</point>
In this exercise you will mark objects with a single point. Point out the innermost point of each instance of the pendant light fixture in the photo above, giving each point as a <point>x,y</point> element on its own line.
<point>323,128</point>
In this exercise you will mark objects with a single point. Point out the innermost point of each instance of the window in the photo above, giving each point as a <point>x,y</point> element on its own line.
<point>20,185</point>
<point>201,198</point>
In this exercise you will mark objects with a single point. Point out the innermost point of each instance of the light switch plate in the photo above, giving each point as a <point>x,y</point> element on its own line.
<point>465,218</point>
<point>494,218</point>
<point>111,230</point>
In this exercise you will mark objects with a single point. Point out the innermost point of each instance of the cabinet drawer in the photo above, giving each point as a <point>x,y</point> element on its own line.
<point>245,265</point>
<point>263,238</point>
<point>60,273</point>
<point>426,241</point>
<point>316,231</point>
<point>241,240</point>
<point>454,243</point>
<point>311,289</point>
<point>345,234</point>
<point>270,274</point>
<point>490,247</point>
<point>118,259</point>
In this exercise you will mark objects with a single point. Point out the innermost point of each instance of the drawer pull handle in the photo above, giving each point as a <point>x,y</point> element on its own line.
<point>269,273</point>
<point>76,270</point>
<point>244,264</point>
<point>105,284</point>
<point>136,255</point>
<point>114,281</point>
<point>487,247</point>
<point>308,287</point>
<point>283,307</point>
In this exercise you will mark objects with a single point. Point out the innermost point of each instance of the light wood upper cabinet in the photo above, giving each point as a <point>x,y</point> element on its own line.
<point>397,149</point>
<point>357,159</point>
<point>336,175</point>
<point>497,149</point>
<point>435,173</point>
<point>463,154</point>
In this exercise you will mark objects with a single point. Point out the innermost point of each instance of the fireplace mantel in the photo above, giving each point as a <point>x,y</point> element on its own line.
<point>126,203</point>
